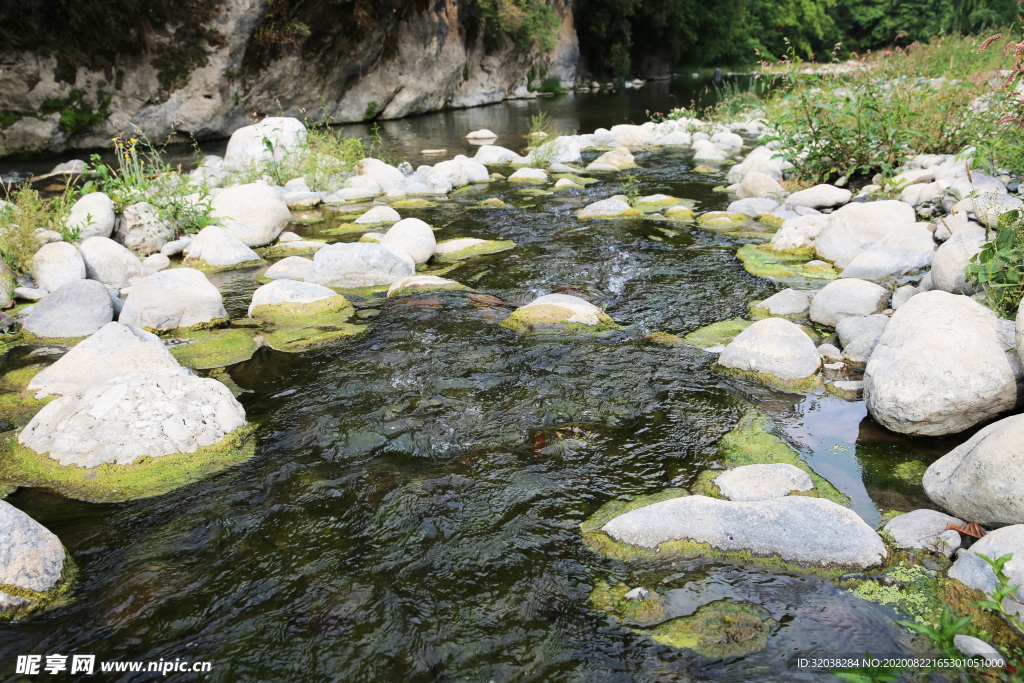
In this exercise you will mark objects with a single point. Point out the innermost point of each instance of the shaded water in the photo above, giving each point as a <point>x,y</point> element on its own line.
<point>412,511</point>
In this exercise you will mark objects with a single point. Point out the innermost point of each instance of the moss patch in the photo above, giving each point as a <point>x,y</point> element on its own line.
<point>811,383</point>
<point>214,348</point>
<point>784,266</point>
<point>769,220</point>
<point>718,334</point>
<point>488,247</point>
<point>654,207</point>
<point>916,595</point>
<point>205,267</point>
<point>109,483</point>
<point>762,313</point>
<point>553,318</point>
<point>279,250</point>
<point>719,220</point>
<point>41,601</point>
<point>17,380</point>
<point>322,312</point>
<point>625,215</point>
<point>413,204</point>
<point>847,395</point>
<point>665,339</point>
<point>752,443</point>
<point>345,229</point>
<point>573,178</point>
<point>423,289</point>
<point>17,410</point>
<point>612,600</point>
<point>492,203</point>
<point>721,629</point>
<point>682,215</point>
<point>301,338</point>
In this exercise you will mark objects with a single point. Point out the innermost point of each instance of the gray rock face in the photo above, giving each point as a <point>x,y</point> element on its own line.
<point>849,329</point>
<point>818,197</point>
<point>914,528</point>
<point>114,350</point>
<point>131,416</point>
<point>763,482</point>
<point>171,299</point>
<point>951,259</point>
<point>218,248</point>
<point>971,570</point>
<point>289,268</point>
<point>255,214</point>
<point>789,303</point>
<point>31,557</point>
<point>289,291</point>
<point>983,479</point>
<point>794,528</point>
<point>847,298</point>
<point>77,309</point>
<point>141,230</point>
<point>110,263</point>
<point>93,215</point>
<point>414,236</point>
<point>943,364</point>
<point>906,249</point>
<point>855,226</point>
<point>775,347</point>
<point>358,264</point>
<point>56,264</point>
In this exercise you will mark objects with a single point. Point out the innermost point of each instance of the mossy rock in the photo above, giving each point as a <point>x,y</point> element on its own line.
<point>807,384</point>
<point>783,266</point>
<point>488,247</point>
<point>17,380</point>
<point>665,339</point>
<point>322,312</point>
<point>917,595</point>
<point>280,250</point>
<point>345,229</point>
<point>752,442</point>
<point>769,220</point>
<point>845,394</point>
<point>660,205</point>
<point>492,203</point>
<point>413,204</point>
<point>573,178</point>
<point>295,338</point>
<point>18,409</point>
<point>722,220</point>
<point>426,288</point>
<point>203,266</point>
<point>719,630</point>
<point>629,214</point>
<point>704,169</point>
<point>544,318</point>
<point>681,215</point>
<point>762,313</point>
<point>41,601</point>
<point>612,600</point>
<point>214,348</point>
<point>179,331</point>
<point>110,483</point>
<point>717,335</point>
<point>534,192</point>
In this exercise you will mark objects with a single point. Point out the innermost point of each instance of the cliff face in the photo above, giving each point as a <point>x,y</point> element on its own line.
<point>386,59</point>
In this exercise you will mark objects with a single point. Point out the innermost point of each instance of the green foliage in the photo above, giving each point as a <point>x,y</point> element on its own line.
<point>75,114</point>
<point>371,111</point>
<point>631,188</point>
<point>1003,592</point>
<point>27,212</point>
<point>530,24</point>
<point>998,269</point>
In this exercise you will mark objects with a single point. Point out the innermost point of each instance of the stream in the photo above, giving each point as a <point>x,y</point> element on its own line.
<point>413,510</point>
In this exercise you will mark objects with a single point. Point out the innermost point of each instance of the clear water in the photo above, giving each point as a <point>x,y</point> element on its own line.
<point>412,512</point>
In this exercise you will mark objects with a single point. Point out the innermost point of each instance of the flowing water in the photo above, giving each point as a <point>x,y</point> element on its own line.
<point>413,510</point>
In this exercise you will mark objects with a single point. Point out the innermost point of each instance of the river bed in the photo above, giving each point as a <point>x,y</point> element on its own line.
<point>413,510</point>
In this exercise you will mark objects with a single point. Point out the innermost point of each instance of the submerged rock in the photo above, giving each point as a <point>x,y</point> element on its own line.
<point>774,347</point>
<point>558,313</point>
<point>762,482</point>
<point>76,309</point>
<point>943,364</point>
<point>173,299</point>
<point>114,350</point>
<point>32,563</point>
<point>528,175</point>
<point>719,220</point>
<point>982,480</point>
<point>794,528</point>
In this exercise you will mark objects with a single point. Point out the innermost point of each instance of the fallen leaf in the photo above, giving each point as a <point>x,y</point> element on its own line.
<point>971,529</point>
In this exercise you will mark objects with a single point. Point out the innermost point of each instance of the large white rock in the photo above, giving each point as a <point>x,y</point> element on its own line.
<point>141,229</point>
<point>113,350</point>
<point>56,264</point>
<point>606,208</point>
<point>845,298</point>
<point>562,150</point>
<point>387,176</point>
<point>762,482</point>
<point>495,155</point>
<point>358,264</point>
<point>952,258</point>
<point>971,570</point>
<point>915,529</point>
<point>289,268</point>
<point>110,263</point>
<point>818,197</point>
<point>133,416</point>
<point>849,329</point>
<point>618,158</point>
<point>414,236</point>
<point>800,232</point>
<point>983,479</point>
<point>248,145</point>
<point>855,226</point>
<point>218,248</point>
<point>760,160</point>
<point>775,347</point>
<point>255,213</point>
<point>944,364</point>
<point>171,299</point>
<point>904,250</point>
<point>76,309</point>
<point>377,215</point>
<point>93,215</point>
<point>289,291</point>
<point>757,184</point>
<point>794,528</point>
<point>31,557</point>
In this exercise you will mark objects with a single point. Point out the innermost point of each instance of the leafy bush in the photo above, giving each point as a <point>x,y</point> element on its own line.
<point>998,269</point>
<point>531,24</point>
<point>27,212</point>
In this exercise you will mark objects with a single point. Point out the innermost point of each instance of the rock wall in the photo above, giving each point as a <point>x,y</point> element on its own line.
<point>206,81</point>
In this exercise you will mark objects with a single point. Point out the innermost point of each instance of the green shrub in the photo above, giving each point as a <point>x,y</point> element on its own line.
<point>27,212</point>
<point>998,269</point>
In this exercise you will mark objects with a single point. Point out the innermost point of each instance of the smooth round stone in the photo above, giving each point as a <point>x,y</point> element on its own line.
<point>763,482</point>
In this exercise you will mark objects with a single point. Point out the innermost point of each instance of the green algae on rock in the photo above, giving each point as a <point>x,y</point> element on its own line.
<point>784,266</point>
<point>17,410</point>
<point>770,220</point>
<point>40,601</point>
<point>306,247</point>
<point>322,311</point>
<point>719,220</point>
<point>718,630</point>
<point>717,335</point>
<point>472,248</point>
<point>665,339</point>
<point>301,337</point>
<point>413,204</point>
<point>17,380</point>
<point>559,313</point>
<point>612,599</point>
<point>204,267</point>
<point>109,483</point>
<point>807,384</point>
<point>492,203</point>
<point>421,284</point>
<point>680,213</point>
<point>658,202</point>
<point>214,348</point>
